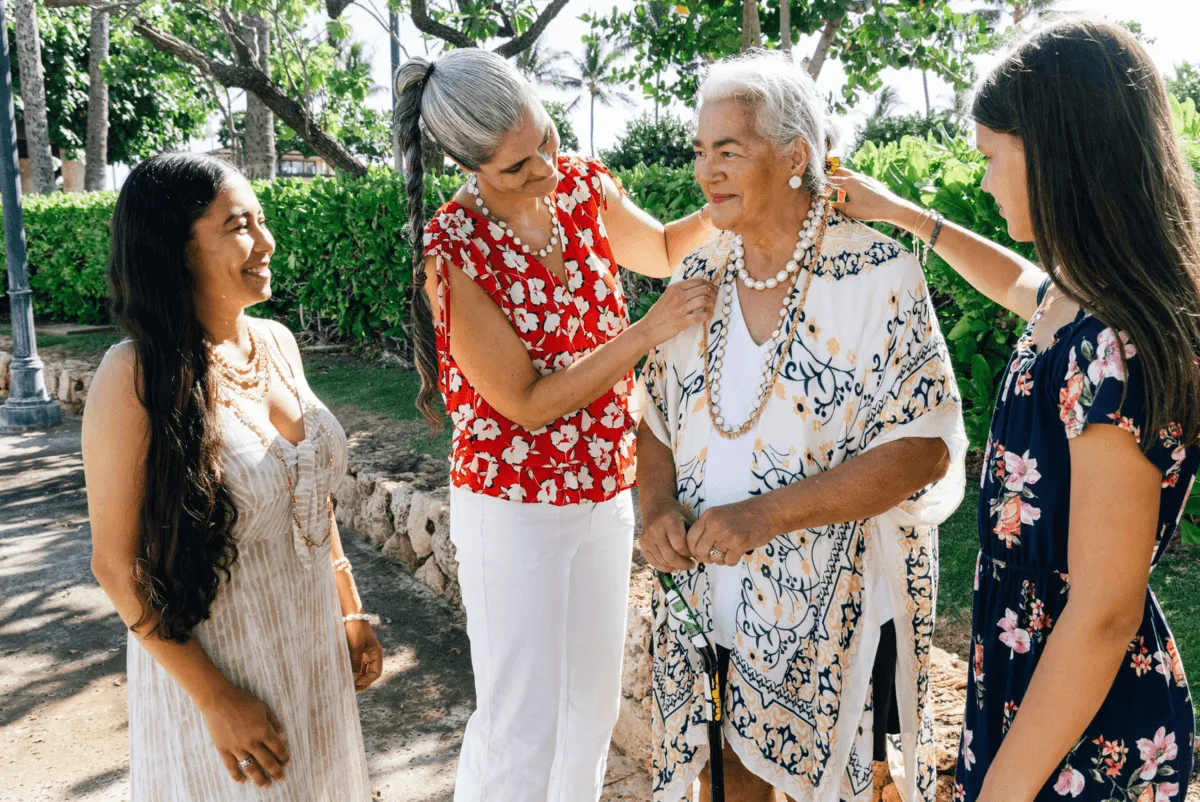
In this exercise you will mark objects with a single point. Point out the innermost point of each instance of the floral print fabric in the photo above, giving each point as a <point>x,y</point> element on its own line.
<point>869,366</point>
<point>1139,746</point>
<point>587,455</point>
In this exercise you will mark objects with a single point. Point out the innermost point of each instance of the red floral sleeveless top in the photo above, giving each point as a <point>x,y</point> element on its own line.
<point>588,455</point>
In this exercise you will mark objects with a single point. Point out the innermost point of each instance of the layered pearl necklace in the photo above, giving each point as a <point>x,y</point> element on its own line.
<point>555,228</point>
<point>250,381</point>
<point>808,235</point>
<point>814,233</point>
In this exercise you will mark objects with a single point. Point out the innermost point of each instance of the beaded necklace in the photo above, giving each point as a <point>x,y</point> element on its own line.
<point>776,357</point>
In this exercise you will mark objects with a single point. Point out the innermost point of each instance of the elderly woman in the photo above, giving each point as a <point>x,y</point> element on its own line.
<point>796,456</point>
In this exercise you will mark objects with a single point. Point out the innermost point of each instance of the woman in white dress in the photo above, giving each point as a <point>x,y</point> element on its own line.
<point>209,466</point>
<point>795,458</point>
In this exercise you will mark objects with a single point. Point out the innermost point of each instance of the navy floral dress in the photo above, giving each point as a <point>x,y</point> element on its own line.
<point>1139,746</point>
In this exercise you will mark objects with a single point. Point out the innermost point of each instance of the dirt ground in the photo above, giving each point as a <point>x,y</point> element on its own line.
<point>63,730</point>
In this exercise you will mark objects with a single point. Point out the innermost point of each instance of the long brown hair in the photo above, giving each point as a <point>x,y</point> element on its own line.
<point>186,544</point>
<point>1112,200</point>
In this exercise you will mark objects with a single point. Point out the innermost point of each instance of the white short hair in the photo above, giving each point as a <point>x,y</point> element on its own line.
<point>782,100</point>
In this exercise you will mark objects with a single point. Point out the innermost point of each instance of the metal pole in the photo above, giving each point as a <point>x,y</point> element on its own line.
<point>394,24</point>
<point>28,405</point>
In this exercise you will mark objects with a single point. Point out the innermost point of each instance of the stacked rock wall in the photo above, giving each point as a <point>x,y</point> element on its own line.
<point>67,380</point>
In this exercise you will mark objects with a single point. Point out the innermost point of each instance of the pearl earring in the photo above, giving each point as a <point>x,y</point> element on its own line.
<point>794,182</point>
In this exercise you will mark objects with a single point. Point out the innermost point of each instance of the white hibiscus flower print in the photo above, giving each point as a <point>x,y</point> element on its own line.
<point>516,293</point>
<point>601,289</point>
<point>551,322</point>
<point>514,260</point>
<point>598,265</point>
<point>485,428</point>
<point>537,291</point>
<point>585,478</point>
<point>565,437</point>
<point>581,192</point>
<point>609,323</point>
<point>495,231</point>
<point>517,451</point>
<point>462,416</point>
<point>600,450</point>
<point>547,492</point>
<point>526,321</point>
<point>613,416</point>
<point>586,238</point>
<point>567,203</point>
<point>609,484</point>
<point>514,493</point>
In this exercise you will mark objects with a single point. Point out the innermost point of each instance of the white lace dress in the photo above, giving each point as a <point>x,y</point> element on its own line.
<point>275,631</point>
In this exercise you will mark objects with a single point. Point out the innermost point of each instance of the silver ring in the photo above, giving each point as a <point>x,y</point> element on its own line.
<point>716,553</point>
<point>247,763</point>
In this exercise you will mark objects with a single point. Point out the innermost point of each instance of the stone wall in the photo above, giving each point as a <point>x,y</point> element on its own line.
<point>67,380</point>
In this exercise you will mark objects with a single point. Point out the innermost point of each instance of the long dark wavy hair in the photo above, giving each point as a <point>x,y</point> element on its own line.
<point>187,516</point>
<point>1112,200</point>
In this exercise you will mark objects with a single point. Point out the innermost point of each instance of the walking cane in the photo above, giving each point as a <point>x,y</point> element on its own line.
<point>703,658</point>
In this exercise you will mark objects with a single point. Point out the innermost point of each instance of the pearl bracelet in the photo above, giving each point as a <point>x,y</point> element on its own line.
<point>368,617</point>
<point>342,564</point>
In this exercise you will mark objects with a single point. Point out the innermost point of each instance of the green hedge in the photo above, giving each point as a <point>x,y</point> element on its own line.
<point>343,269</point>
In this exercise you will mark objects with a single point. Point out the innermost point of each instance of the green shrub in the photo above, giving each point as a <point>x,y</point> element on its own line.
<point>882,130</point>
<point>665,143</point>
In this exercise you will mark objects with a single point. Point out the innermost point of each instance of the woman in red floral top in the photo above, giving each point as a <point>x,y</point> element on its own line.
<point>522,327</point>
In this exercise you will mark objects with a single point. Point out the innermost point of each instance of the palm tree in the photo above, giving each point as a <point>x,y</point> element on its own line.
<point>597,77</point>
<point>886,102</point>
<point>542,65</point>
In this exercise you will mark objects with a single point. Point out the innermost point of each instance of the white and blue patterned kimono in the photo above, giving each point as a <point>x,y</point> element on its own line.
<point>869,366</point>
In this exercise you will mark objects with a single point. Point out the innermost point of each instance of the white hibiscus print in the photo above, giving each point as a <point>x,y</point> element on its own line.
<point>567,203</point>
<point>483,246</point>
<point>564,360</point>
<point>514,260</point>
<point>601,289</point>
<point>565,437</point>
<point>537,291</point>
<point>609,484</point>
<point>609,323</point>
<point>551,322</point>
<point>462,416</point>
<point>586,238</point>
<point>516,293</point>
<point>455,381</point>
<point>613,416</point>
<point>516,452</point>
<point>598,265</point>
<point>526,321</point>
<point>581,192</point>
<point>548,492</point>
<point>495,231</point>
<point>561,296</point>
<point>514,493</point>
<point>600,451</point>
<point>585,478</point>
<point>485,428</point>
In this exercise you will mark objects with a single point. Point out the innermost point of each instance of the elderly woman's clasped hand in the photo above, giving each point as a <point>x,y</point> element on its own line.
<point>674,539</point>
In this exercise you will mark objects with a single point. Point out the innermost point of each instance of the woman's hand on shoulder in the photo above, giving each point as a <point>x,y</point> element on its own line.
<point>682,305</point>
<point>868,199</point>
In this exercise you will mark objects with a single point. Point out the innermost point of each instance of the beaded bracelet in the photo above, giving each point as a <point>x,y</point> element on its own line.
<point>368,617</point>
<point>924,250</point>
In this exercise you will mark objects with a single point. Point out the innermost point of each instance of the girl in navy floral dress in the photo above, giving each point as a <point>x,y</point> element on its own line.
<point>1076,688</point>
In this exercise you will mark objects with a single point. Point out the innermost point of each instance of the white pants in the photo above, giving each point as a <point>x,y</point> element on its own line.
<point>546,591</point>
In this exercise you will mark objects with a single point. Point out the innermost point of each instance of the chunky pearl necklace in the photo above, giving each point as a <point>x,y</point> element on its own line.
<point>808,235</point>
<point>776,356</point>
<point>555,229</point>
<point>250,381</point>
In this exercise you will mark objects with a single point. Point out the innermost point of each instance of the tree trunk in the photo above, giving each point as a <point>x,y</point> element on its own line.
<point>260,122</point>
<point>785,27</point>
<point>925,86</point>
<point>751,29</point>
<point>97,130</point>
<point>33,96</point>
<point>592,128</point>
<point>828,34</point>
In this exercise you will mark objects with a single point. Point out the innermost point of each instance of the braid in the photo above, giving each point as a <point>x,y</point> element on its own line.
<point>410,85</point>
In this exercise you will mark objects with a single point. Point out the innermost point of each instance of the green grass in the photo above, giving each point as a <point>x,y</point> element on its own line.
<point>376,388</point>
<point>1176,582</point>
<point>82,346</point>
